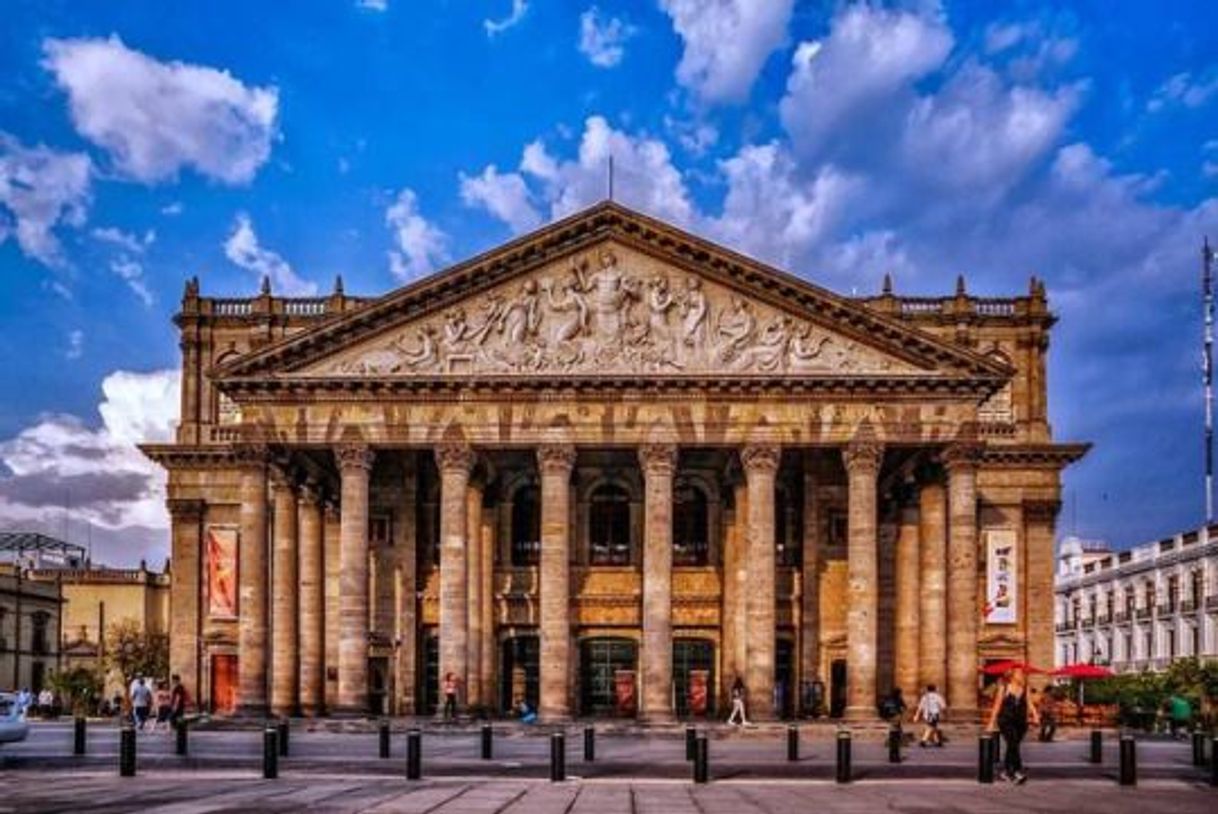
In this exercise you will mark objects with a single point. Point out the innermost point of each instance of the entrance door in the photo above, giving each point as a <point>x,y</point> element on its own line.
<point>784,677</point>
<point>223,683</point>
<point>693,677</point>
<point>520,673</point>
<point>837,688</point>
<point>607,673</point>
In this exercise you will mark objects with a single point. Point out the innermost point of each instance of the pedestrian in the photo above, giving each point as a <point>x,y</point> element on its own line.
<point>451,687</point>
<point>162,701</point>
<point>893,706</point>
<point>1010,716</point>
<point>526,713</point>
<point>177,701</point>
<point>930,710</point>
<point>1047,709</point>
<point>1180,711</point>
<point>24,699</point>
<point>141,702</point>
<point>46,702</point>
<point>738,710</point>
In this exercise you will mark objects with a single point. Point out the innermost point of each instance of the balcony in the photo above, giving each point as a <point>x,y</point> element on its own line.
<point>1103,619</point>
<point>1211,602</point>
<point>1065,627</point>
<point>1166,609</point>
<point>1122,618</point>
<point>1143,613</point>
<point>1188,606</point>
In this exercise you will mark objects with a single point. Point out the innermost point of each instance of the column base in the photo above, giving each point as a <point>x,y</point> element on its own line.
<point>351,711</point>
<point>861,713</point>
<point>251,711</point>
<point>658,718</point>
<point>964,715</point>
<point>312,710</point>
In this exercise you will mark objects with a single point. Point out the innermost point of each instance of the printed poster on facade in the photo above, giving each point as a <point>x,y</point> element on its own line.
<point>1001,581</point>
<point>221,547</point>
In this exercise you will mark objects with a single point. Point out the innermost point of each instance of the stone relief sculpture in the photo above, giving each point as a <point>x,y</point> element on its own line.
<point>597,317</point>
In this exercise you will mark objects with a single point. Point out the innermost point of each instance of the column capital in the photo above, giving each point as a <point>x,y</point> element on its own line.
<point>862,456</point>
<point>1040,510</point>
<point>282,476</point>
<point>760,458</point>
<point>455,457</point>
<point>962,455</point>
<point>186,509</point>
<point>659,458</point>
<point>310,493</point>
<point>252,456</point>
<point>354,456</point>
<point>556,459</point>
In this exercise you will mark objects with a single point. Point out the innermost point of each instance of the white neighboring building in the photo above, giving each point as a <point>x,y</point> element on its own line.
<point>1137,609</point>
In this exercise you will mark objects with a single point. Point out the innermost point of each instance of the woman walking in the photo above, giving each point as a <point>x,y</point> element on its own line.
<point>1010,716</point>
<point>738,704</point>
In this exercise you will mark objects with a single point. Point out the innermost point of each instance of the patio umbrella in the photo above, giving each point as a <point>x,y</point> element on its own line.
<point>997,668</point>
<point>1083,673</point>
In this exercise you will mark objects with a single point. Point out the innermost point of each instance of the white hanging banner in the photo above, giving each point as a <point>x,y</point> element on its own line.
<point>1001,577</point>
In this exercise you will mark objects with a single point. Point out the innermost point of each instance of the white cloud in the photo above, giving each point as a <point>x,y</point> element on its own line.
<point>132,273</point>
<point>694,135</point>
<point>1186,90</point>
<point>60,459</point>
<point>154,118</point>
<point>41,189</point>
<point>124,240</point>
<point>172,209</point>
<point>495,27</point>
<point>421,246</point>
<point>76,344</point>
<point>373,5</point>
<point>726,43</point>
<point>243,249</point>
<point>504,195</point>
<point>603,40</point>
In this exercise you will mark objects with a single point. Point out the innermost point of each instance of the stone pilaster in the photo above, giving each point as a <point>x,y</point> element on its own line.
<point>963,607</point>
<point>862,460</point>
<point>760,464</point>
<point>473,563</point>
<point>932,605</point>
<point>252,584</point>
<point>908,584</point>
<point>487,643</point>
<point>185,594</point>
<point>455,461</point>
<point>407,592</point>
<point>355,467</point>
<point>1036,575</point>
<point>285,655</point>
<point>659,464</point>
<point>809,634</point>
<point>331,542</point>
<point>555,463</point>
<point>312,601</point>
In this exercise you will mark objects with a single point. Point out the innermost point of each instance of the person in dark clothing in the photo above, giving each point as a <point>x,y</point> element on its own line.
<point>177,702</point>
<point>1010,716</point>
<point>1046,707</point>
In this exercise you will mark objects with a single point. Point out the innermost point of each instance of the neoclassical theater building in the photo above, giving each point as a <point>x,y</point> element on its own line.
<point>609,468</point>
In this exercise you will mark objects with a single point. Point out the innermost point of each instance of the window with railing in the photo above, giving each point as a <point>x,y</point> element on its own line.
<point>609,526</point>
<point>1110,604</point>
<point>1173,593</point>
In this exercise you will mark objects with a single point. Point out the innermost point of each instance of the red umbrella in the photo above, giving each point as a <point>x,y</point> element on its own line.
<point>1083,671</point>
<point>997,668</point>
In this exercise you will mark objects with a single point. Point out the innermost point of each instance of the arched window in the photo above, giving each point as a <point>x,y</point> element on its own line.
<point>609,526</point>
<point>526,526</point>
<point>690,544</point>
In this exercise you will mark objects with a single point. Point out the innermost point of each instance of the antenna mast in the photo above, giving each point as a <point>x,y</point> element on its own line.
<point>611,176</point>
<point>1207,366</point>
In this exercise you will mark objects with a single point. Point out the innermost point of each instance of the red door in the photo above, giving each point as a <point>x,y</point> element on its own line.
<point>223,684</point>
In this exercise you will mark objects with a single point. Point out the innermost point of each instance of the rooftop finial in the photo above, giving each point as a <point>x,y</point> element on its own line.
<point>266,285</point>
<point>192,288</point>
<point>887,290</point>
<point>338,283</point>
<point>960,290</point>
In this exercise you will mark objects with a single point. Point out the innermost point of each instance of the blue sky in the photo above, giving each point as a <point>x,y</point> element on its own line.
<point>142,143</point>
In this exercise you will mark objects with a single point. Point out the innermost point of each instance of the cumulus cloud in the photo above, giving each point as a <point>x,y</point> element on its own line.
<point>41,189</point>
<point>61,460</point>
<point>154,118</point>
<point>726,43</point>
<point>76,344</point>
<point>132,273</point>
<point>1185,90</point>
<point>602,40</point>
<point>243,249</point>
<point>124,240</point>
<point>373,5</point>
<point>496,27</point>
<point>504,195</point>
<point>421,246</point>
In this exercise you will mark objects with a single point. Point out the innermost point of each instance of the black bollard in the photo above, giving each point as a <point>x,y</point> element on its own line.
<point>1198,748</point>
<point>1097,746</point>
<point>996,748</point>
<point>283,737</point>
<point>179,746</point>
<point>792,743</point>
<point>985,759</point>
<point>414,755</point>
<point>589,744</point>
<point>78,735</point>
<point>126,751</point>
<point>1214,762</point>
<point>690,745</point>
<point>270,752</point>
<point>701,760</point>
<point>1129,761</point>
<point>487,742</point>
<point>843,756</point>
<point>894,743</point>
<point>382,732</point>
<point>558,757</point>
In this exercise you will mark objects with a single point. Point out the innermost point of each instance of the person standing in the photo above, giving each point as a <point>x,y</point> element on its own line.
<point>177,702</point>
<point>738,710</point>
<point>930,710</point>
<point>450,687</point>
<point>141,702</point>
<point>1047,710</point>
<point>1010,716</point>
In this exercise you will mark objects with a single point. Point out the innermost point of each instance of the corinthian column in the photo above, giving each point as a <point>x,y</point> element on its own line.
<point>285,664</point>
<point>312,601</point>
<point>862,460</point>
<point>251,580</point>
<point>907,586</point>
<point>932,610</point>
<point>473,562</point>
<point>760,467</point>
<point>455,461</point>
<point>659,462</point>
<point>555,462</point>
<point>355,465</point>
<point>962,581</point>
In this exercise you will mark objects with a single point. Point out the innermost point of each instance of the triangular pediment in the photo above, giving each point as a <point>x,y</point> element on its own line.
<point>610,293</point>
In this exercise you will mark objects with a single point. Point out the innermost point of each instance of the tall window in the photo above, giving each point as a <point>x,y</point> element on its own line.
<point>609,522</point>
<point>690,544</point>
<point>1197,588</point>
<point>1130,602</point>
<point>526,526</point>
<point>1150,595</point>
<point>1110,604</point>
<point>1173,592</point>
<point>38,632</point>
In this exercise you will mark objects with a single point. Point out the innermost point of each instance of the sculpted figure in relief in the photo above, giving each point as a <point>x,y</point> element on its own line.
<point>694,313</point>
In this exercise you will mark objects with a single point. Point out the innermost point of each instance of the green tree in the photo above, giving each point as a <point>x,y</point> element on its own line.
<point>78,688</point>
<point>131,651</point>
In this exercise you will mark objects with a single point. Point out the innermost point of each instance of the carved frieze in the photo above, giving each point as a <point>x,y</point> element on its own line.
<point>608,314</point>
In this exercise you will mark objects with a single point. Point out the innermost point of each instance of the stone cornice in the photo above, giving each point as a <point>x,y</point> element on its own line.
<point>1033,456</point>
<point>173,456</point>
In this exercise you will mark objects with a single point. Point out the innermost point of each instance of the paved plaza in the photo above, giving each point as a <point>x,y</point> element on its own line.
<point>341,772</point>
